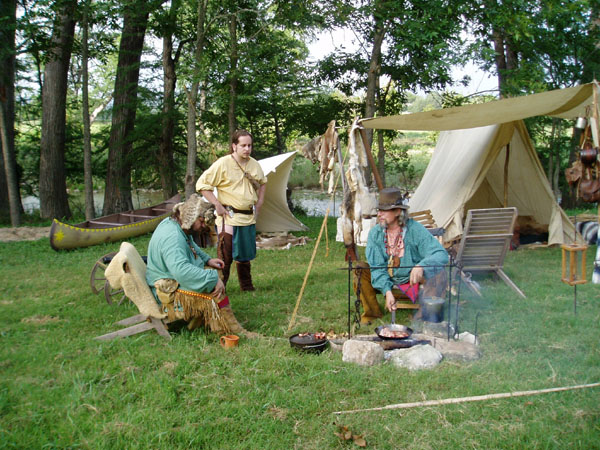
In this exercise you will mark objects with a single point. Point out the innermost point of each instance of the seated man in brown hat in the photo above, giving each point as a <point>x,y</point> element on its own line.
<point>177,276</point>
<point>402,254</point>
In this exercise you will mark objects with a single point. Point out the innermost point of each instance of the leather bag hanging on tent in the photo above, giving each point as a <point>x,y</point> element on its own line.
<point>589,185</point>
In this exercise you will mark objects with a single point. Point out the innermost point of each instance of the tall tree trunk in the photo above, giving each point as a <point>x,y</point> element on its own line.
<point>233,74</point>
<point>500,59</point>
<point>165,151</point>
<point>88,182</point>
<point>53,184</point>
<point>192,96</point>
<point>382,96</point>
<point>117,195</point>
<point>373,75</point>
<point>10,198</point>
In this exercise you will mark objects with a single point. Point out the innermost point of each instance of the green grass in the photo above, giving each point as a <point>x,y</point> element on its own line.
<point>60,388</point>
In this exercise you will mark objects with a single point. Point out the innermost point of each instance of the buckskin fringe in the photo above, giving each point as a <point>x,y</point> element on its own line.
<point>189,305</point>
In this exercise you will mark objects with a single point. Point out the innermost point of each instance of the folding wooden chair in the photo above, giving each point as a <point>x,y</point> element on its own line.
<point>426,219</point>
<point>127,271</point>
<point>484,243</point>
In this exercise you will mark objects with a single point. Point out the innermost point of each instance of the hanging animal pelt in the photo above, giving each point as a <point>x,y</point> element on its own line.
<point>311,149</point>
<point>359,202</point>
<point>323,149</point>
<point>327,158</point>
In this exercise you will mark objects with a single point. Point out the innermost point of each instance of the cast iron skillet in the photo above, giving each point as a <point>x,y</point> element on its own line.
<point>308,343</point>
<point>393,327</point>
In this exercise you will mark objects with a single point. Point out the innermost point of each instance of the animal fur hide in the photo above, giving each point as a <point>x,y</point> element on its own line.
<point>127,271</point>
<point>359,202</point>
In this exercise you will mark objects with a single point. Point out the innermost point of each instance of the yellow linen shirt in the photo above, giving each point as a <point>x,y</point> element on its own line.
<point>233,188</point>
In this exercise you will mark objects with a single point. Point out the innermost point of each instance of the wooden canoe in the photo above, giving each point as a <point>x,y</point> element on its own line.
<point>112,228</point>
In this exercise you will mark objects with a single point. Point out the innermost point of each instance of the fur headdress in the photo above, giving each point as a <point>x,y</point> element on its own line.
<point>193,208</point>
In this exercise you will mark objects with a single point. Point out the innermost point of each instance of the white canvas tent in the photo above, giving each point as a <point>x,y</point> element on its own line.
<point>275,216</point>
<point>467,167</point>
<point>467,171</point>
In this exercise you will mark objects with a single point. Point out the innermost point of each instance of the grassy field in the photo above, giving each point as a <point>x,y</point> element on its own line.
<point>60,388</point>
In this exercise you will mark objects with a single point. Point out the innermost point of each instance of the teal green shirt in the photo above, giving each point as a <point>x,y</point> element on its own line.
<point>420,249</point>
<point>170,255</point>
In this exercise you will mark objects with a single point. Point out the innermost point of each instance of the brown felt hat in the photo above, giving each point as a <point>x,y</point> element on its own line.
<point>392,198</point>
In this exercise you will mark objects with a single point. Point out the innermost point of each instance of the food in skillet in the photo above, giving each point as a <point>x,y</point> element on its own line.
<point>397,334</point>
<point>318,336</point>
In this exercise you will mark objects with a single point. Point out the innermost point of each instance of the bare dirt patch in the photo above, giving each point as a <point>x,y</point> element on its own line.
<point>23,234</point>
<point>40,320</point>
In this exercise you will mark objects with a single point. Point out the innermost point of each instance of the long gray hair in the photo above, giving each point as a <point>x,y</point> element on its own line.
<point>403,218</point>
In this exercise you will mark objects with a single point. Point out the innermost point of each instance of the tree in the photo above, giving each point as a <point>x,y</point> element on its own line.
<point>413,44</point>
<point>166,165</point>
<point>9,186</point>
<point>535,47</point>
<point>85,110</point>
<point>117,195</point>
<point>192,110</point>
<point>53,186</point>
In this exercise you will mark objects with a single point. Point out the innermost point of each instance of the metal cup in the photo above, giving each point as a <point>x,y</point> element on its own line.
<point>581,123</point>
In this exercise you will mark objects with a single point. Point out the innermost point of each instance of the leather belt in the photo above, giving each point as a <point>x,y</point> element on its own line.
<point>240,211</point>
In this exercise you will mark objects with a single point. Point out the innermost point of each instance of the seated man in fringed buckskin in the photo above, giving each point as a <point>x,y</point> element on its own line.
<point>177,276</point>
<point>402,254</point>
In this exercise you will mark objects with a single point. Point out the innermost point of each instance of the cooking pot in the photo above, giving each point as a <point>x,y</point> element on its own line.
<point>387,331</point>
<point>308,343</point>
<point>432,309</point>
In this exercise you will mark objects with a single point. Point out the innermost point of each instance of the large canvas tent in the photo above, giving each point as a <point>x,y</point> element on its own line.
<point>275,216</point>
<point>467,169</point>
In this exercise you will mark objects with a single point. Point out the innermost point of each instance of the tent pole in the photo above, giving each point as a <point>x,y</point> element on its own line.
<point>506,175</point>
<point>367,146</point>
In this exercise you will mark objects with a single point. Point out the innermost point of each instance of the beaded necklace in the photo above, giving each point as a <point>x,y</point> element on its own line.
<point>389,249</point>
<point>394,251</point>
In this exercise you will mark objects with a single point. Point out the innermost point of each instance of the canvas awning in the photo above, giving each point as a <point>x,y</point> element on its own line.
<point>565,103</point>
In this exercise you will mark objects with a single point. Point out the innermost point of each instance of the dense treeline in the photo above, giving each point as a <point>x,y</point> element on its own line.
<point>122,93</point>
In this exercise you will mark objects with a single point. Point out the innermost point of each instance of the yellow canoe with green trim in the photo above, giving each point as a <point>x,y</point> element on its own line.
<point>112,228</point>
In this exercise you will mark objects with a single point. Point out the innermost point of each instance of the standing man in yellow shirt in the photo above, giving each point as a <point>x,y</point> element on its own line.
<point>240,184</point>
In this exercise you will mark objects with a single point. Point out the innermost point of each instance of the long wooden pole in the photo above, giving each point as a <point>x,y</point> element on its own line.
<point>476,398</point>
<point>312,259</point>
<point>363,135</point>
<point>506,161</point>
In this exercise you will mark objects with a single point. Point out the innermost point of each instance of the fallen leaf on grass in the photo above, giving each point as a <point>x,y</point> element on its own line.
<point>358,440</point>
<point>345,434</point>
